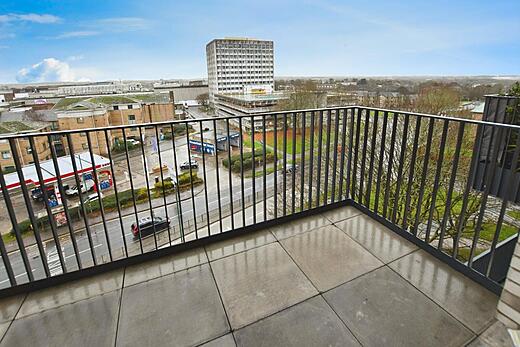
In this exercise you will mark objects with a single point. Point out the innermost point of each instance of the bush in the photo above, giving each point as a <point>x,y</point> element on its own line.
<point>119,147</point>
<point>141,194</point>
<point>167,185</point>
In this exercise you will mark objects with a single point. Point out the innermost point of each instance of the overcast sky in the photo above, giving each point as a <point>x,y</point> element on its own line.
<point>69,40</point>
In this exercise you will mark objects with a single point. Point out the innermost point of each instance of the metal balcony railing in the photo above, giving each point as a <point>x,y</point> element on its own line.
<point>432,179</point>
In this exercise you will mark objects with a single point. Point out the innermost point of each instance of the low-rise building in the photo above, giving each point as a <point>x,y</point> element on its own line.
<point>105,111</point>
<point>249,104</point>
<point>22,145</point>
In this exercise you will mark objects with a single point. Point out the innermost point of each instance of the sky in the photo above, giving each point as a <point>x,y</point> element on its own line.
<point>89,40</point>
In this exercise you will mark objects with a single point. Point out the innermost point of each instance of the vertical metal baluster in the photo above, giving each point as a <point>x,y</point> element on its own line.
<point>284,189</point>
<point>7,262</point>
<point>509,196</point>
<point>372,155</point>
<point>242,188</point>
<point>253,167</point>
<point>133,190</point>
<point>451,184</point>
<point>293,176</point>
<point>429,138</point>
<point>342,154</point>
<point>204,177</point>
<point>400,167</point>
<point>390,164</point>
<point>320,149</point>
<point>411,172</point>
<point>191,181</point>
<point>302,164</point>
<point>148,189</point>
<point>381,159</point>
<point>75,157</point>
<point>311,157</point>
<point>364,154</point>
<point>217,172</point>
<point>114,184</point>
<point>275,166</point>
<point>18,235</point>
<point>54,157</point>
<point>437,179</point>
<point>28,205</point>
<point>230,177</point>
<point>349,193</point>
<point>100,200</point>
<point>490,178</point>
<point>264,164</point>
<point>158,140</point>
<point>327,160</point>
<point>356,151</point>
<point>180,217</point>
<point>55,236</point>
<point>335,159</point>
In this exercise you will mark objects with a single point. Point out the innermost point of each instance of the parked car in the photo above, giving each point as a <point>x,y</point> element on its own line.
<point>191,163</point>
<point>133,142</point>
<point>85,186</point>
<point>146,226</point>
<point>37,193</point>
<point>289,169</point>
<point>93,197</point>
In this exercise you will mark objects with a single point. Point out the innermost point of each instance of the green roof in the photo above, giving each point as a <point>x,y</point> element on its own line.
<point>107,100</point>
<point>66,102</point>
<point>16,127</point>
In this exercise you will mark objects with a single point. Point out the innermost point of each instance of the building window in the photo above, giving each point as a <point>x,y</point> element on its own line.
<point>130,107</point>
<point>29,150</point>
<point>85,145</point>
<point>116,108</point>
<point>6,155</point>
<point>80,120</point>
<point>82,134</point>
<point>131,119</point>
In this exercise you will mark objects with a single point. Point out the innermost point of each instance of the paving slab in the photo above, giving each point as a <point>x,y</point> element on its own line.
<point>310,323</point>
<point>164,266</point>
<point>299,226</point>
<point>181,309</point>
<point>382,242</point>
<point>466,300</point>
<point>238,244</point>
<point>90,322</point>
<point>259,282</point>
<point>341,213</point>
<point>329,257</point>
<point>494,336</point>
<point>9,307</point>
<point>71,292</point>
<point>223,341</point>
<point>383,309</point>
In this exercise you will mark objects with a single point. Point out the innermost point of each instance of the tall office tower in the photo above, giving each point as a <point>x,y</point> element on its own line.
<point>235,65</point>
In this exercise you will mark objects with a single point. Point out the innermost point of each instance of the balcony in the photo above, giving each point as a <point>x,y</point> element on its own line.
<point>354,226</point>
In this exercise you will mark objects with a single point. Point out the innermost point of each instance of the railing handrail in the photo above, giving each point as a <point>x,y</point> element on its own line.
<point>210,119</point>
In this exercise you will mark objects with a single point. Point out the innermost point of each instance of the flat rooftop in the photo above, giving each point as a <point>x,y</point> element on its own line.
<point>333,279</point>
<point>254,97</point>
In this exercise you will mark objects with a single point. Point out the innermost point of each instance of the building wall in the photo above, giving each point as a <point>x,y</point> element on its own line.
<point>235,63</point>
<point>41,146</point>
<point>75,120</point>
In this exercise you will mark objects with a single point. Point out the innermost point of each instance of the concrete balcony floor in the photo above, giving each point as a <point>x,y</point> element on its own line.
<point>334,279</point>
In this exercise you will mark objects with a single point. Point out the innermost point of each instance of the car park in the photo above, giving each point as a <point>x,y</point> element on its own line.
<point>146,226</point>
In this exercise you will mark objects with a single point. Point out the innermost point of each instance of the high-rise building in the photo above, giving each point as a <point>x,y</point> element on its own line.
<point>235,64</point>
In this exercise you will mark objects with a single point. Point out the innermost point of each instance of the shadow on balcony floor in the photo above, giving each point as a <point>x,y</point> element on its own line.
<point>335,279</point>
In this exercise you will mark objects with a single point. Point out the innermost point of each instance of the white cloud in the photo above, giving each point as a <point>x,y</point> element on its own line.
<point>30,17</point>
<point>76,34</point>
<point>120,24</point>
<point>48,70</point>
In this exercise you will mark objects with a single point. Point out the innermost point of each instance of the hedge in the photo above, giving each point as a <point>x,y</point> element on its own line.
<point>247,161</point>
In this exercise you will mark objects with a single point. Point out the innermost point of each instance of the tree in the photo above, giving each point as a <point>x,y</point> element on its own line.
<point>203,99</point>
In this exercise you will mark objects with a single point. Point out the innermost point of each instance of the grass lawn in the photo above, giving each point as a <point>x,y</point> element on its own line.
<point>514,214</point>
